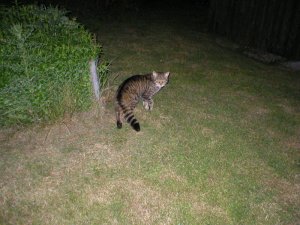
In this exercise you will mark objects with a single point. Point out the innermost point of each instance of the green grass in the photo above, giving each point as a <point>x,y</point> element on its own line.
<point>220,146</point>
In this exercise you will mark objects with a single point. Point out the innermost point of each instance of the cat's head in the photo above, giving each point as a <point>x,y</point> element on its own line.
<point>160,78</point>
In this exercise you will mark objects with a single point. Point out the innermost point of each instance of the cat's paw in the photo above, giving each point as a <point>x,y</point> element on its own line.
<point>119,124</point>
<point>146,105</point>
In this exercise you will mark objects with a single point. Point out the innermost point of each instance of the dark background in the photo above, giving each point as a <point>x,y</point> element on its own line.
<point>269,25</point>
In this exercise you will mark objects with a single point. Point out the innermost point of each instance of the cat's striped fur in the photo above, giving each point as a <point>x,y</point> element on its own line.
<point>132,90</point>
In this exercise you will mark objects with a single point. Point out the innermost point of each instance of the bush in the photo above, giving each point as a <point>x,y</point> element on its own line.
<point>44,64</point>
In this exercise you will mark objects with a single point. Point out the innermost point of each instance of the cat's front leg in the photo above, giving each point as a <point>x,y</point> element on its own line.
<point>148,104</point>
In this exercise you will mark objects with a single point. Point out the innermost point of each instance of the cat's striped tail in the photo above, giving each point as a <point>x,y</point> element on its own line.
<point>128,116</point>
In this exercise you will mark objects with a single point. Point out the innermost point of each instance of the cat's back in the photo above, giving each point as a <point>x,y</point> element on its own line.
<point>134,85</point>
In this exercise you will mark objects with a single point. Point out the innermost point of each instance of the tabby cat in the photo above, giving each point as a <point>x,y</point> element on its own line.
<point>135,88</point>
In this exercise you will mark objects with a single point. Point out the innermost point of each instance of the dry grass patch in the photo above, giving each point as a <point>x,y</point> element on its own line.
<point>289,192</point>
<point>159,122</point>
<point>170,174</point>
<point>40,160</point>
<point>148,205</point>
<point>111,157</point>
<point>145,204</point>
<point>287,197</point>
<point>266,212</point>
<point>203,209</point>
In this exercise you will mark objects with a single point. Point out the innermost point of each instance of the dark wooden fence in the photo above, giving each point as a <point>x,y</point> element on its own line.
<point>269,25</point>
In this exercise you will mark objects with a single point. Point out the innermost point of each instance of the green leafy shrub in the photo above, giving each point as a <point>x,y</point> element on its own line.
<point>44,64</point>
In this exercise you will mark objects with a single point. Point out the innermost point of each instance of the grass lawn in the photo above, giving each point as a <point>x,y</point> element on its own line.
<point>221,145</point>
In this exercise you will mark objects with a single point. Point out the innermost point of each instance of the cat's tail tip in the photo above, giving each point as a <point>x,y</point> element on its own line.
<point>136,127</point>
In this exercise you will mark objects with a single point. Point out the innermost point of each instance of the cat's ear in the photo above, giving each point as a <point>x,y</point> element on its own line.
<point>167,74</point>
<point>154,75</point>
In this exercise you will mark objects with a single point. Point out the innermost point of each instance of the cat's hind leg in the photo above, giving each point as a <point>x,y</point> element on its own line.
<point>118,116</point>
